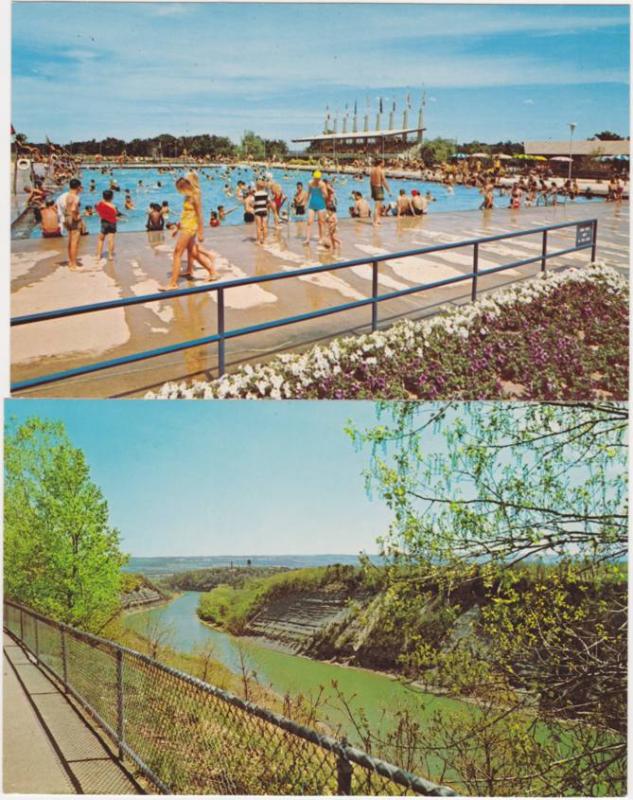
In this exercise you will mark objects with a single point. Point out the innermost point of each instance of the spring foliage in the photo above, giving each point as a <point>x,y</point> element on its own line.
<point>529,502</point>
<point>61,556</point>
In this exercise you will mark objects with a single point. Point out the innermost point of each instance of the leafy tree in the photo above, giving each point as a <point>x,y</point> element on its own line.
<point>515,480</point>
<point>434,151</point>
<point>275,148</point>
<point>253,146</point>
<point>61,556</point>
<point>608,136</point>
<point>112,147</point>
<point>524,507</point>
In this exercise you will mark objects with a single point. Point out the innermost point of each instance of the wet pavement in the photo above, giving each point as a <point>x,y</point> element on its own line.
<point>41,281</point>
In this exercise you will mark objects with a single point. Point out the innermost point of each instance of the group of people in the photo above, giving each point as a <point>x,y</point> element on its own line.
<point>615,190</point>
<point>314,202</point>
<point>530,191</point>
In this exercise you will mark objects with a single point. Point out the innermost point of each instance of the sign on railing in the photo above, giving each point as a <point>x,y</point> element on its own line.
<point>584,234</point>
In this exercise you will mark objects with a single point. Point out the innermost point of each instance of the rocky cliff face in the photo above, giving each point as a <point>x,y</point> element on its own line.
<point>141,597</point>
<point>359,628</point>
<point>293,621</point>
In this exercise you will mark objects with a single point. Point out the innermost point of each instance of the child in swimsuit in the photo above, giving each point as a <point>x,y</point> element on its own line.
<point>332,223</point>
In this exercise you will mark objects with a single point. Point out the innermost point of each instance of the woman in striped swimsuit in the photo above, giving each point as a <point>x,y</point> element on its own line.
<point>261,204</point>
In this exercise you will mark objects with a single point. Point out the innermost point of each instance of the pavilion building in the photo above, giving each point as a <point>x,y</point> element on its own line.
<point>390,141</point>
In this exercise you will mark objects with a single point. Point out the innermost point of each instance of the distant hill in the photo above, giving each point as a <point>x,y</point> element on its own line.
<point>168,565</point>
<point>203,580</point>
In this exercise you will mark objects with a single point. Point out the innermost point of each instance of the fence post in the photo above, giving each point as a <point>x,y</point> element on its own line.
<point>544,253</point>
<point>21,625</point>
<point>344,771</point>
<point>120,731</point>
<point>595,240</point>
<point>37,640</point>
<point>374,294</point>
<point>64,661</point>
<point>221,365</point>
<point>473,293</point>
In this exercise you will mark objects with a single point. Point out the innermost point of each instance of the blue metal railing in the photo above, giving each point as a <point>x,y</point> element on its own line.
<point>222,334</point>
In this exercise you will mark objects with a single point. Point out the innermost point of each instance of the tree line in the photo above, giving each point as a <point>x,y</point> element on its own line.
<point>167,146</point>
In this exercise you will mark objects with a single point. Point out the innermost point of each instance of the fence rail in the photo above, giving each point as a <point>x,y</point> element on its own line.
<point>188,737</point>
<point>590,226</point>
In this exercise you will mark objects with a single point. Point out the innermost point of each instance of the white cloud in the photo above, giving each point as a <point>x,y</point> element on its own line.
<point>529,102</point>
<point>163,9</point>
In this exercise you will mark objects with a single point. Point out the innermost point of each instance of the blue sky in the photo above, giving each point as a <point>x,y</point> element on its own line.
<point>491,72</point>
<point>225,478</point>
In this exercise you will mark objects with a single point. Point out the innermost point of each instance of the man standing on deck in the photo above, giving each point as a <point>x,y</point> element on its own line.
<point>378,184</point>
<point>69,206</point>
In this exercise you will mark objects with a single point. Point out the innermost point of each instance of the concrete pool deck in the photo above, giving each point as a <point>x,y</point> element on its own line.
<point>41,281</point>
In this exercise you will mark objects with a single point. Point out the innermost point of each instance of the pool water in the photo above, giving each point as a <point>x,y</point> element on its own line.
<point>151,186</point>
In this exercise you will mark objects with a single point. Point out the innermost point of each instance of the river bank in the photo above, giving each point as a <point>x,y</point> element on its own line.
<point>344,695</point>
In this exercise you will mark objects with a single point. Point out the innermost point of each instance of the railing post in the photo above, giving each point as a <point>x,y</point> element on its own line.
<point>37,640</point>
<point>64,661</point>
<point>473,293</point>
<point>595,240</point>
<point>344,771</point>
<point>221,364</point>
<point>374,294</point>
<point>21,625</point>
<point>120,731</point>
<point>544,253</point>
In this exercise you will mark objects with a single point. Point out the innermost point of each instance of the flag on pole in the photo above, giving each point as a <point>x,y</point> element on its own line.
<point>380,104</point>
<point>355,107</point>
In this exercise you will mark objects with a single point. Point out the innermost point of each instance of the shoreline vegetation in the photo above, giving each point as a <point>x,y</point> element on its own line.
<point>451,621</point>
<point>503,580</point>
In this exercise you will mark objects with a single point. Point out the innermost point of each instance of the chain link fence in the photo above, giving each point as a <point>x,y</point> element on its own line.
<point>188,737</point>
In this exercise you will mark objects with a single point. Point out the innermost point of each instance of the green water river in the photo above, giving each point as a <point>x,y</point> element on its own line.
<point>373,692</point>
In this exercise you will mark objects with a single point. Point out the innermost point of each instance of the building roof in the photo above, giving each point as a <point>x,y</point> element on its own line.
<point>329,137</point>
<point>578,148</point>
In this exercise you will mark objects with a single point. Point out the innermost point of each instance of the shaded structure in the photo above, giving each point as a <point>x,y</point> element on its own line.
<point>350,145</point>
<point>352,142</point>
<point>582,147</point>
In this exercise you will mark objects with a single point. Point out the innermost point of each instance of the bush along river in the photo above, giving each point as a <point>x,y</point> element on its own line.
<point>290,674</point>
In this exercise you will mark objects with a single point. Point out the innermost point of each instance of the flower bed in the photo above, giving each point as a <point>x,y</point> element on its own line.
<point>559,337</point>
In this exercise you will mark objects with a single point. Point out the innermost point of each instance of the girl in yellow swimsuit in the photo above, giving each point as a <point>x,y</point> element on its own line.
<point>190,231</point>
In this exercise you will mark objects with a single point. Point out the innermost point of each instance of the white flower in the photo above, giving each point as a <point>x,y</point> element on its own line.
<point>290,370</point>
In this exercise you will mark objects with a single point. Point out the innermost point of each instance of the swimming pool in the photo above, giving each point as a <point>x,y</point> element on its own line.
<point>151,186</point>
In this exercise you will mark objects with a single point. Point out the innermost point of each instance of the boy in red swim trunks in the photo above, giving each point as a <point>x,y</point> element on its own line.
<point>108,214</point>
